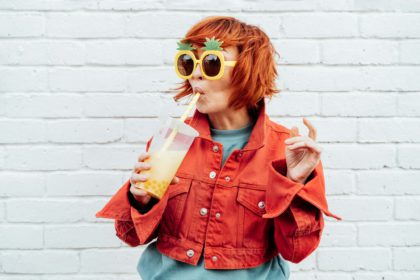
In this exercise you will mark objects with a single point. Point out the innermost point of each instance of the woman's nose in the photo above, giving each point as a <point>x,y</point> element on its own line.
<point>197,73</point>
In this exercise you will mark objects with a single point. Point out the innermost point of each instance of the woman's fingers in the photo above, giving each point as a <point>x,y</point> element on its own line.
<point>143,156</point>
<point>306,144</point>
<point>136,178</point>
<point>139,166</point>
<point>140,195</point>
<point>312,130</point>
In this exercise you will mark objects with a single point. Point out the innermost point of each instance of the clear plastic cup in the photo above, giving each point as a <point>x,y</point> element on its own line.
<point>164,164</point>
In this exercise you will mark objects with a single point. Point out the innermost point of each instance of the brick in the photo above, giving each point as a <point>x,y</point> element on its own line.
<point>98,261</point>
<point>297,51</point>
<point>123,157</point>
<point>80,236</point>
<point>20,131</point>
<point>407,208</point>
<point>146,79</point>
<point>136,130</point>
<point>87,79</point>
<point>339,182</point>
<point>405,156</point>
<point>354,259</point>
<point>407,259</point>
<point>389,130</point>
<point>43,105</point>
<point>44,210</point>
<point>390,25</point>
<point>27,262</point>
<point>319,25</point>
<point>21,237</point>
<point>359,157</point>
<point>345,129</point>
<point>359,104</point>
<point>23,79</point>
<point>293,104</point>
<point>339,235</point>
<point>85,25</point>
<point>397,234</point>
<point>356,51</point>
<point>132,105</point>
<point>42,53</point>
<point>362,208</point>
<point>387,182</point>
<point>22,25</point>
<point>409,51</point>
<point>174,26</point>
<point>62,184</point>
<point>49,5</point>
<point>408,104</point>
<point>125,52</point>
<point>43,158</point>
<point>17,184</point>
<point>85,131</point>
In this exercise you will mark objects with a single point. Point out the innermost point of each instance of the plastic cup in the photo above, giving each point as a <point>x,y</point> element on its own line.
<point>165,162</point>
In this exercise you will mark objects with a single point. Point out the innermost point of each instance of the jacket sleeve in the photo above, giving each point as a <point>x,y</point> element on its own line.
<point>133,226</point>
<point>297,210</point>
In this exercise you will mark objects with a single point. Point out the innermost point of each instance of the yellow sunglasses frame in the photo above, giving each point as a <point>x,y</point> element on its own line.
<point>219,54</point>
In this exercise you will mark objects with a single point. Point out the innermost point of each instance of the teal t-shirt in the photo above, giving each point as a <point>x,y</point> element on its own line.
<point>153,265</point>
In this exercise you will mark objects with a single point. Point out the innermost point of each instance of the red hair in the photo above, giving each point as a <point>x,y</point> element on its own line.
<point>254,75</point>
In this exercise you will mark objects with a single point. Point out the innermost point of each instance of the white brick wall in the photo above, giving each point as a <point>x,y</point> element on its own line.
<point>80,85</point>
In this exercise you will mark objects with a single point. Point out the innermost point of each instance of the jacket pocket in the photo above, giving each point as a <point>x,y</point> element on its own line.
<point>252,227</point>
<point>252,199</point>
<point>177,197</point>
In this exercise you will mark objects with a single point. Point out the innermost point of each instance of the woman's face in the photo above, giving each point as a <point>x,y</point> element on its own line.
<point>216,92</point>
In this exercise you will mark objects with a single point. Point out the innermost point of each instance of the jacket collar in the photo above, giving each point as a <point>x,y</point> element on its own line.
<point>200,122</point>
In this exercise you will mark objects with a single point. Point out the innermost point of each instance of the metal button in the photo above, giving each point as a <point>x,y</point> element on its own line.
<point>240,154</point>
<point>212,174</point>
<point>227,178</point>
<point>190,253</point>
<point>218,215</point>
<point>215,148</point>
<point>261,204</point>
<point>214,258</point>
<point>203,211</point>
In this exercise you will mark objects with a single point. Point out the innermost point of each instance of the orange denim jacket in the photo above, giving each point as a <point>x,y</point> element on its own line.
<point>239,215</point>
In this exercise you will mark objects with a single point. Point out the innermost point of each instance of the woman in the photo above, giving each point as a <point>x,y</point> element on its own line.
<point>249,193</point>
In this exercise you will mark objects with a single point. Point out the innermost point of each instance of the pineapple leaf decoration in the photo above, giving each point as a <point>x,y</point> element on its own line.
<point>185,46</point>
<point>212,45</point>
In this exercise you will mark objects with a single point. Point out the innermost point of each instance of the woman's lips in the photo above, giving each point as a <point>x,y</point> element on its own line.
<point>198,89</point>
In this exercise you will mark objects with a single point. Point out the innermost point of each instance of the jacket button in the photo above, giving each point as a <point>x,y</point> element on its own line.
<point>212,174</point>
<point>203,211</point>
<point>190,253</point>
<point>218,215</point>
<point>227,178</point>
<point>261,204</point>
<point>240,154</point>
<point>215,148</point>
<point>214,258</point>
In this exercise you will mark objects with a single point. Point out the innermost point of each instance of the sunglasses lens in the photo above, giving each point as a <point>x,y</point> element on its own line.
<point>185,64</point>
<point>211,65</point>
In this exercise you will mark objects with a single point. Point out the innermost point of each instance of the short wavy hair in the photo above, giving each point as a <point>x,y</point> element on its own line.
<point>254,74</point>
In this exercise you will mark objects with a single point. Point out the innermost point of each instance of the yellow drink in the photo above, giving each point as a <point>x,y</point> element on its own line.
<point>167,163</point>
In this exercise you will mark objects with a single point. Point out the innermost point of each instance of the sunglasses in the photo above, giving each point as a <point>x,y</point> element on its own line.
<point>212,64</point>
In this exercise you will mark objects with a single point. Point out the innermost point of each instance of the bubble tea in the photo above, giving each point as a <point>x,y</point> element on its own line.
<point>167,151</point>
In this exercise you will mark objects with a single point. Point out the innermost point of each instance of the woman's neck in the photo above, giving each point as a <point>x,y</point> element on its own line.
<point>230,119</point>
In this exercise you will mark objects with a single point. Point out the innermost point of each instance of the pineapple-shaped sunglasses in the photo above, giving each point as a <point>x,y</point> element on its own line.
<point>212,62</point>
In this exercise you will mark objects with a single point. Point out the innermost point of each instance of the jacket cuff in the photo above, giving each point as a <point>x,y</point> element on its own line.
<point>118,207</point>
<point>281,190</point>
<point>145,224</point>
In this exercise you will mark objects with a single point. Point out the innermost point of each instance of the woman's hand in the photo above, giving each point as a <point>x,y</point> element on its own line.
<point>302,153</point>
<point>140,195</point>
